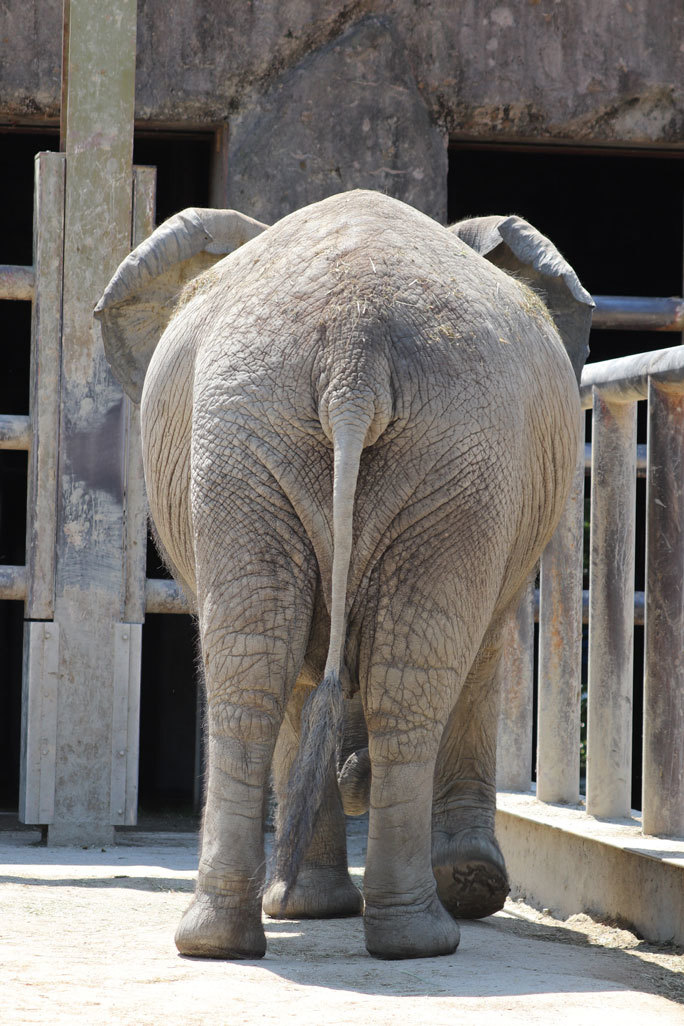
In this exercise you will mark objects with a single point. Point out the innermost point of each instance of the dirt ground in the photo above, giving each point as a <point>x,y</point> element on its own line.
<point>87,937</point>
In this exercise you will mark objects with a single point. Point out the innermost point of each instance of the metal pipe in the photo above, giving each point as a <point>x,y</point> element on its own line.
<point>16,282</point>
<point>611,608</point>
<point>165,597</point>
<point>638,313</point>
<point>663,751</point>
<point>626,380</point>
<point>514,742</point>
<point>13,583</point>
<point>15,432</point>
<point>560,653</point>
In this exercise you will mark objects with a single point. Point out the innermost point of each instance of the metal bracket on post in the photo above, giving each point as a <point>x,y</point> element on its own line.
<point>39,723</point>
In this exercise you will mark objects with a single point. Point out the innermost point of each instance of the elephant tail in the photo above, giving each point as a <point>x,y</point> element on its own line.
<point>323,713</point>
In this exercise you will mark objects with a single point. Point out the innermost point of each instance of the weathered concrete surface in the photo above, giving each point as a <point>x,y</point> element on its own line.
<point>88,937</point>
<point>534,69</point>
<point>348,116</point>
<point>560,857</point>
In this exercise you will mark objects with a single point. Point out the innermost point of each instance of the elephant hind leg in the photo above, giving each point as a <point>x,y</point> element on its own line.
<point>323,888</point>
<point>467,862</point>
<point>404,917</point>
<point>256,576</point>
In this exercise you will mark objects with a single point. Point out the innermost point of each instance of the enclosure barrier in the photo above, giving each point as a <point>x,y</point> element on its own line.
<point>611,390</point>
<point>610,606</point>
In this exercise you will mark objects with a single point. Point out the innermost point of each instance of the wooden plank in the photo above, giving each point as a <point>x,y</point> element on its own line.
<point>611,608</point>
<point>46,345</point>
<point>560,652</point>
<point>89,591</point>
<point>39,723</point>
<point>135,499</point>
<point>125,724</point>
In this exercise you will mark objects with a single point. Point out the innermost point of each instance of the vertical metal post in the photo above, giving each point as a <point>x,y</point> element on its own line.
<point>560,652</point>
<point>611,608</point>
<point>514,742</point>
<point>663,761</point>
<point>89,590</point>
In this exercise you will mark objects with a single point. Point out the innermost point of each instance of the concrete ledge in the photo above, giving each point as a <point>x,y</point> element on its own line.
<point>560,858</point>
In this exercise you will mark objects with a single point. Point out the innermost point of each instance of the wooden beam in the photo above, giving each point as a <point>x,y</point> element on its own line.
<point>89,586</point>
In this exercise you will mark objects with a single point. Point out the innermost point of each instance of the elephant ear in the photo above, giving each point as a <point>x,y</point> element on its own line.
<point>516,247</point>
<point>139,300</point>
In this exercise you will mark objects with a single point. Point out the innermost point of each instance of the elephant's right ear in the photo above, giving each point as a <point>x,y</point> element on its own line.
<point>515,246</point>
<point>139,300</point>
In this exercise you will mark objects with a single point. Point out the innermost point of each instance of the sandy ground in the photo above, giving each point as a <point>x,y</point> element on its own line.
<point>87,937</point>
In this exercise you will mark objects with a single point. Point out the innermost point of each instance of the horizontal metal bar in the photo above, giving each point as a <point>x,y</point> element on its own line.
<point>165,597</point>
<point>13,583</point>
<point>15,432</point>
<point>625,380</point>
<point>639,606</point>
<point>16,282</point>
<point>638,313</point>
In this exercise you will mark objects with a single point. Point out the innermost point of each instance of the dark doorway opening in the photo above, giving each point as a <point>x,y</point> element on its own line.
<point>618,219</point>
<point>168,699</point>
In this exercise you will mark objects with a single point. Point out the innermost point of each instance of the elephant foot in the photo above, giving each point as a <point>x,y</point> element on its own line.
<point>209,929</point>
<point>471,876</point>
<point>405,931</point>
<point>319,893</point>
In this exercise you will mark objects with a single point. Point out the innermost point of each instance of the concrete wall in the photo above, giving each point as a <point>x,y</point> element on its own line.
<point>321,95</point>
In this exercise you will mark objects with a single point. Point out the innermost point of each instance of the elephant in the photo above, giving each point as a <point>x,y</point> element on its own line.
<point>359,431</point>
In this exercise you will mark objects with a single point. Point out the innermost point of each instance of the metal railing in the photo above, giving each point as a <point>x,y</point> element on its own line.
<point>611,607</point>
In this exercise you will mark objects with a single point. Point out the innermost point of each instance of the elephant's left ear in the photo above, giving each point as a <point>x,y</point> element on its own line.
<point>515,246</point>
<point>141,297</point>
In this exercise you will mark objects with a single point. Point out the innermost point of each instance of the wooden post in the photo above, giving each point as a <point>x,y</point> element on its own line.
<point>611,608</point>
<point>663,758</point>
<point>41,639</point>
<point>93,657</point>
<point>560,652</point>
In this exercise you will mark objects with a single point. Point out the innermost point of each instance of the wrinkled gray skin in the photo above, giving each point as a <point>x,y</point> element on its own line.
<point>358,436</point>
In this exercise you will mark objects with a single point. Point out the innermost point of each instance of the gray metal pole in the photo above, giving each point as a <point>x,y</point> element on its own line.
<point>560,652</point>
<point>514,742</point>
<point>663,765</point>
<point>611,608</point>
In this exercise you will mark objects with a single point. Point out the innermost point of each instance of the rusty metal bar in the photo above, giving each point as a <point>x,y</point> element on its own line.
<point>626,379</point>
<point>16,282</point>
<point>165,597</point>
<point>638,313</point>
<point>15,431</point>
<point>611,612</point>
<point>13,583</point>
<point>514,741</point>
<point>663,752</point>
<point>560,653</point>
